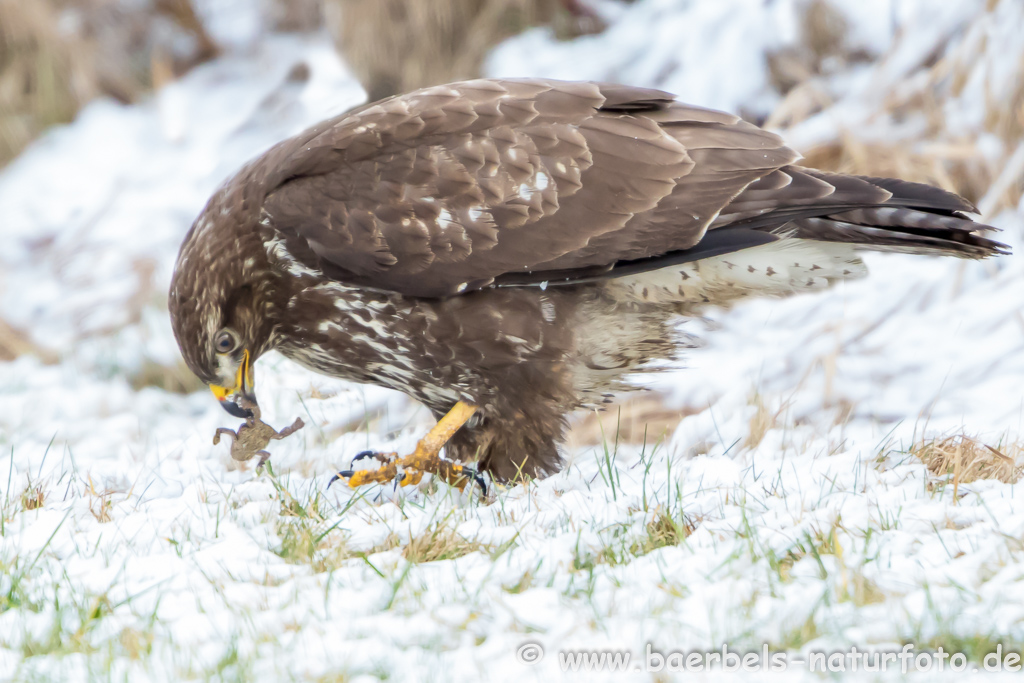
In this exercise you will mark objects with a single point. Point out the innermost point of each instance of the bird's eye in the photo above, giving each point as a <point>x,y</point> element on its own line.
<point>226,341</point>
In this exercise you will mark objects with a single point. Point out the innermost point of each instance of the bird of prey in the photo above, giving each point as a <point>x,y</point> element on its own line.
<point>507,251</point>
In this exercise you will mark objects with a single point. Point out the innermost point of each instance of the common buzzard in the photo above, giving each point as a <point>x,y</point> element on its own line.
<point>506,251</point>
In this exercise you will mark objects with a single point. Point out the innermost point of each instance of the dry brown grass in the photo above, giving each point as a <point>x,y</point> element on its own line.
<point>641,418</point>
<point>395,46</point>
<point>41,81</point>
<point>15,342</point>
<point>956,166</point>
<point>440,542</point>
<point>761,422</point>
<point>100,506</point>
<point>940,153</point>
<point>33,497</point>
<point>822,38</point>
<point>965,459</point>
<point>176,378</point>
<point>295,15</point>
<point>101,502</point>
<point>664,530</point>
<point>57,55</point>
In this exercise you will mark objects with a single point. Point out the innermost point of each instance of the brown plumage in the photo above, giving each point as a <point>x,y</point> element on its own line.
<point>521,246</point>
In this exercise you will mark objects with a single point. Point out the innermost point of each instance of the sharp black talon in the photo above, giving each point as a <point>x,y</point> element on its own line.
<point>344,474</point>
<point>362,455</point>
<point>477,477</point>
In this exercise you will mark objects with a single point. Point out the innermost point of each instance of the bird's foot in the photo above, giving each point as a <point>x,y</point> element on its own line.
<point>423,460</point>
<point>409,471</point>
<point>384,458</point>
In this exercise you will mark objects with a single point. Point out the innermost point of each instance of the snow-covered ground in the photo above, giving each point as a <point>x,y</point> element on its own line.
<point>784,510</point>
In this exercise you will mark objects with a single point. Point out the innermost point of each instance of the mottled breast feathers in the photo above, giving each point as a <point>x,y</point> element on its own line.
<point>453,188</point>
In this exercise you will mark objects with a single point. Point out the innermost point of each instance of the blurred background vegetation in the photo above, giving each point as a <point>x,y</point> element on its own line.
<point>57,55</point>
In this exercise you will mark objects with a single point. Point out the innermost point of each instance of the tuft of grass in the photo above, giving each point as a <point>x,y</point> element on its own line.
<point>232,666</point>
<point>135,643</point>
<point>441,541</point>
<point>100,504</point>
<point>761,422</point>
<point>299,544</point>
<point>33,497</point>
<point>860,590</point>
<point>663,530</point>
<point>622,547</point>
<point>305,543</point>
<point>309,537</point>
<point>965,459</point>
<point>525,582</point>
<point>849,584</point>
<point>796,638</point>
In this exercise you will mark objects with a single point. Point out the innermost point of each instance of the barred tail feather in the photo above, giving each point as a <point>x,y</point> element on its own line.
<point>906,217</point>
<point>899,229</point>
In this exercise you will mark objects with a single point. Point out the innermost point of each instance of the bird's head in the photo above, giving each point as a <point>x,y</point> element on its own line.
<point>221,302</point>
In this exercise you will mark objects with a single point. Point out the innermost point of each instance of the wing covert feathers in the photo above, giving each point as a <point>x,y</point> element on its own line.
<point>453,188</point>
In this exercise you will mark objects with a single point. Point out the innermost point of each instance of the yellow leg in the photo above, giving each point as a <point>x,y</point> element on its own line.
<point>424,458</point>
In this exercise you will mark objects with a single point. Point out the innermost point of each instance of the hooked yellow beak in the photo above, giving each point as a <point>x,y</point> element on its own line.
<point>243,388</point>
